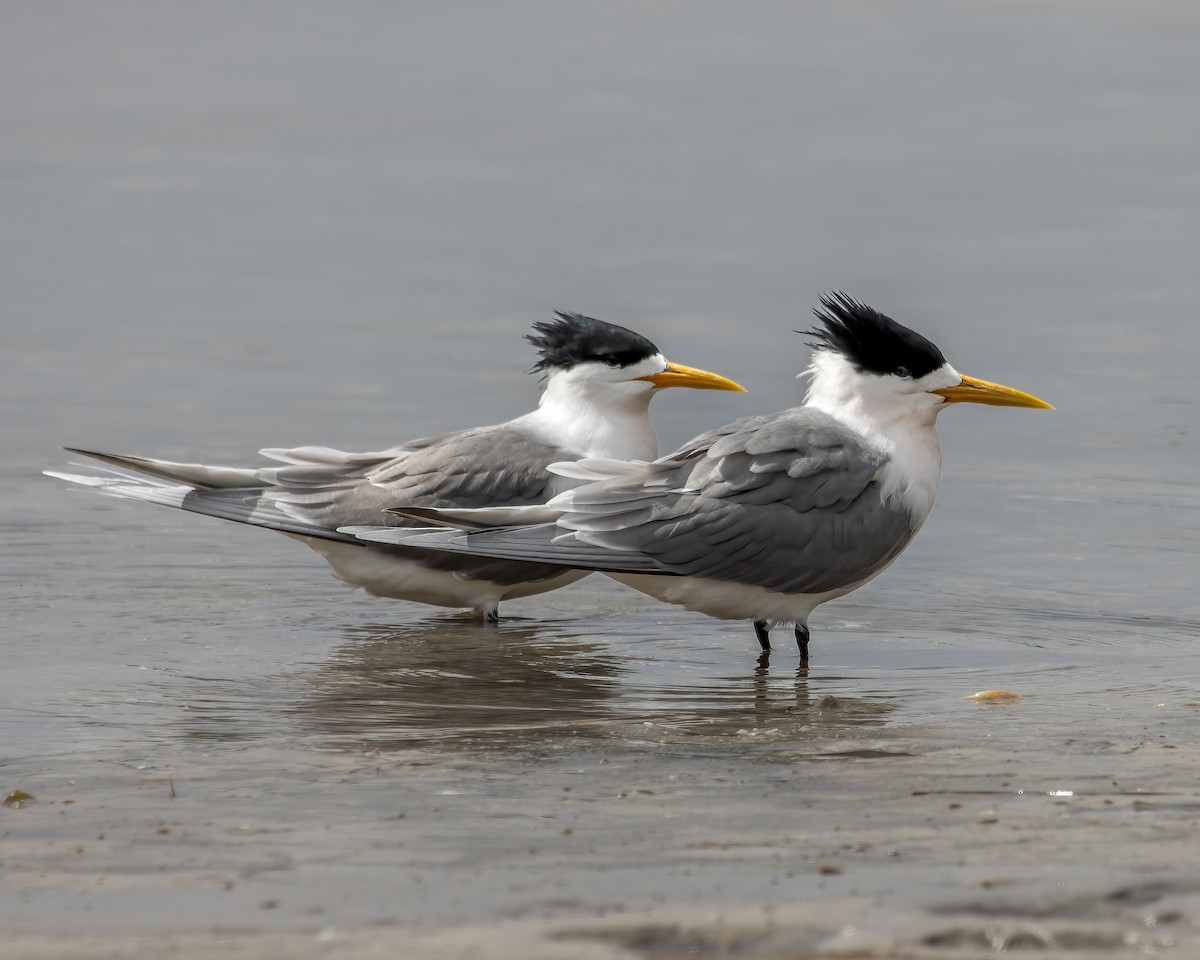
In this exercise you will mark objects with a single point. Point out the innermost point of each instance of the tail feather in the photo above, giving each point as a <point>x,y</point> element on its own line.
<point>193,474</point>
<point>240,505</point>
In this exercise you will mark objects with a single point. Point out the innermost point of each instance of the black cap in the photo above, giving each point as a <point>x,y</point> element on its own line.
<point>870,341</point>
<point>573,338</point>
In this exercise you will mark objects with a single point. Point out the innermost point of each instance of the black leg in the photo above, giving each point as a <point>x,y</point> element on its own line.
<point>802,641</point>
<point>763,631</point>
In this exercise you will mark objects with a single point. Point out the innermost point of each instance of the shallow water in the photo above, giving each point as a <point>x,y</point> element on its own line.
<point>274,225</point>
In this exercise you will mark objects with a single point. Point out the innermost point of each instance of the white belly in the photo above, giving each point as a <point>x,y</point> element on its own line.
<point>729,601</point>
<point>387,575</point>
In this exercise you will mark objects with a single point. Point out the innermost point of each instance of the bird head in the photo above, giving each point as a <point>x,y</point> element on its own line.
<point>594,357</point>
<point>866,362</point>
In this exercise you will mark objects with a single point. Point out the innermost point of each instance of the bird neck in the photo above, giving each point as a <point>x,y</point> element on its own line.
<point>906,431</point>
<point>596,419</point>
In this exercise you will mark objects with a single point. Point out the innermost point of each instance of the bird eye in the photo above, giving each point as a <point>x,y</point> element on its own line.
<point>904,372</point>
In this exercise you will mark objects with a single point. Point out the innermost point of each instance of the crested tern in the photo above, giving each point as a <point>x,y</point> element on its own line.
<point>765,518</point>
<point>600,379</point>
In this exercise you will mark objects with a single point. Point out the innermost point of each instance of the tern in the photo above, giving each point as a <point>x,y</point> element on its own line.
<point>600,379</point>
<point>768,517</point>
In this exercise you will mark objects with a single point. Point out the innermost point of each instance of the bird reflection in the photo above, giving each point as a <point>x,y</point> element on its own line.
<point>528,686</point>
<point>451,678</point>
<point>788,703</point>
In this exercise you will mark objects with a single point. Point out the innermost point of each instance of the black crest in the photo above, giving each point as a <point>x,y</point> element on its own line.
<point>573,338</point>
<point>871,341</point>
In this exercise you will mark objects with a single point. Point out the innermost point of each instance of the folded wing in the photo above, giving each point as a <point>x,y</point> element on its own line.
<point>789,502</point>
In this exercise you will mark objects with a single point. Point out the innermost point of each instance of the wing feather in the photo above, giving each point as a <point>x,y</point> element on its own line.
<point>322,489</point>
<point>789,502</point>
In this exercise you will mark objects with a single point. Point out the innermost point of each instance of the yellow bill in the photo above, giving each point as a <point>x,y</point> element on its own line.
<point>994,394</point>
<point>677,375</point>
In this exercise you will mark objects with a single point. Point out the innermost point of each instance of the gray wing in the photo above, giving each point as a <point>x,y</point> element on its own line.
<point>788,502</point>
<point>320,489</point>
<point>490,466</point>
<point>534,545</point>
<point>486,467</point>
<point>323,489</point>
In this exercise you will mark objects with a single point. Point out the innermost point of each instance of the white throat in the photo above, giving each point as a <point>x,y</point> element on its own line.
<point>899,415</point>
<point>592,418</point>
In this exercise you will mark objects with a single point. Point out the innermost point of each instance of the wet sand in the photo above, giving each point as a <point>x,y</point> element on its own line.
<point>857,811</point>
<point>837,928</point>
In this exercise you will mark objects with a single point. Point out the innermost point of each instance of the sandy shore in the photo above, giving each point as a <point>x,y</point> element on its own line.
<point>843,930</point>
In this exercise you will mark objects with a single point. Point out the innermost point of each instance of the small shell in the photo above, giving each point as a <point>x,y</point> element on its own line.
<point>994,696</point>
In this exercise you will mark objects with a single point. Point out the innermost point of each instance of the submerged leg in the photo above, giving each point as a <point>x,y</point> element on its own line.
<point>762,630</point>
<point>802,641</point>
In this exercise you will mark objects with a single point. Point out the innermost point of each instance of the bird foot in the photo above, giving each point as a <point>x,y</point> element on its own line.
<point>762,630</point>
<point>802,637</point>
